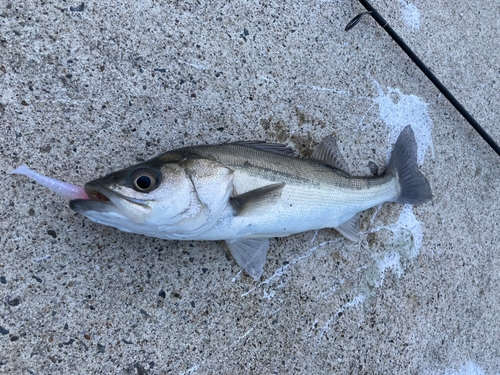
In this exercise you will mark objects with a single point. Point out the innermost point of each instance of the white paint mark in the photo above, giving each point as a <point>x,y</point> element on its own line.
<point>246,333</point>
<point>408,110</point>
<point>411,15</point>
<point>355,302</point>
<point>407,237</point>
<point>314,237</point>
<point>16,239</point>
<point>266,79</point>
<point>407,241</point>
<point>376,212</point>
<point>269,295</point>
<point>192,369</point>
<point>324,89</point>
<point>238,275</point>
<point>197,66</point>
<point>195,367</point>
<point>280,271</point>
<point>470,368</point>
<point>314,323</point>
<point>43,258</point>
<point>331,290</point>
<point>389,261</point>
<point>407,223</point>
<point>335,1</point>
<point>8,96</point>
<point>363,118</point>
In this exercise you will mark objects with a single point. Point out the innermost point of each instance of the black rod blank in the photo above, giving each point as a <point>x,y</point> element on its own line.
<point>385,25</point>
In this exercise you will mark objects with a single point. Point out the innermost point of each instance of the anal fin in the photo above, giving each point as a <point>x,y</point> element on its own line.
<point>250,254</point>
<point>350,229</point>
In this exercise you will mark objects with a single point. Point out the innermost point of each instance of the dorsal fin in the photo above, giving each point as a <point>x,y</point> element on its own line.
<point>275,148</point>
<point>328,152</point>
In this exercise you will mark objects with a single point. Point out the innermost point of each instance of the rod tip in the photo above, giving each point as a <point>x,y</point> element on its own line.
<point>356,20</point>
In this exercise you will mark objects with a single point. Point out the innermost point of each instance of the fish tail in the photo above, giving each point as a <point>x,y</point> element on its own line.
<point>413,186</point>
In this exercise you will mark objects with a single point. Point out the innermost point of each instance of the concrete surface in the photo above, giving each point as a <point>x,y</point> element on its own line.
<point>85,90</point>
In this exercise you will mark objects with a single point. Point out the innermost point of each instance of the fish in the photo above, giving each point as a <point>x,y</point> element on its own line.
<point>247,192</point>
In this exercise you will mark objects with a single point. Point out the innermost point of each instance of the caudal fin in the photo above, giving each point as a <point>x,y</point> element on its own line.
<point>413,186</point>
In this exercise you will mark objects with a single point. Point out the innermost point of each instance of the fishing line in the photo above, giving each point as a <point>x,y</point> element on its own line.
<point>385,25</point>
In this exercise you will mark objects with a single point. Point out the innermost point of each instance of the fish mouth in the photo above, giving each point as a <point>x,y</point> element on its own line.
<point>103,200</point>
<point>97,192</point>
<point>98,200</point>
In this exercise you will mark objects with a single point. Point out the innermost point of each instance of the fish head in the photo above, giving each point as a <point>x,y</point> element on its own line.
<point>148,192</point>
<point>173,193</point>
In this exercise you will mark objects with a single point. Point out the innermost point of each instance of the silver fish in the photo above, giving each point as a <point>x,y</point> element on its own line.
<point>247,192</point>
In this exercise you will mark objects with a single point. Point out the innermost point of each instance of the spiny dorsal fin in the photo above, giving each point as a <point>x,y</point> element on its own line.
<point>250,254</point>
<point>328,152</point>
<point>350,228</point>
<point>256,200</point>
<point>275,148</point>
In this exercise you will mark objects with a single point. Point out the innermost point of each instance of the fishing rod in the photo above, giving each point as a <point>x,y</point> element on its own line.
<point>370,10</point>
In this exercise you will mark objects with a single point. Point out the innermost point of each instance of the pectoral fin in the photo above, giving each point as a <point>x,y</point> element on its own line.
<point>250,254</point>
<point>350,228</point>
<point>257,200</point>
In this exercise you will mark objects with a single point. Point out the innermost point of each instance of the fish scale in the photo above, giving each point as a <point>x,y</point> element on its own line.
<point>313,190</point>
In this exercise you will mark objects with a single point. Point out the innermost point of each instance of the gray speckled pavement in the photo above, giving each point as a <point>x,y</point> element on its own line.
<point>88,89</point>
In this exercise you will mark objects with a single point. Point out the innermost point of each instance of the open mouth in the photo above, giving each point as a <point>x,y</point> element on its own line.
<point>97,196</point>
<point>99,201</point>
<point>95,193</point>
<point>102,200</point>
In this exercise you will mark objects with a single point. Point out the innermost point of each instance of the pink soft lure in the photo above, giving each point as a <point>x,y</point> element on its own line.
<point>62,188</point>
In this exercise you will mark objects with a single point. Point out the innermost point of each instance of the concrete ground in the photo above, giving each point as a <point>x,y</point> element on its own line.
<point>88,88</point>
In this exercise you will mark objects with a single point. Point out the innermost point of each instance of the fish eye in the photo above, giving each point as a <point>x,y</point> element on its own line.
<point>144,179</point>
